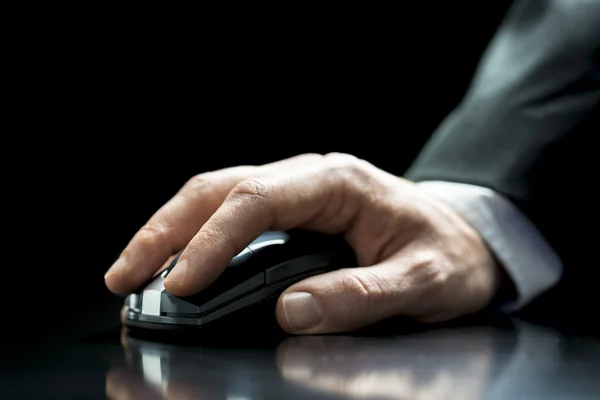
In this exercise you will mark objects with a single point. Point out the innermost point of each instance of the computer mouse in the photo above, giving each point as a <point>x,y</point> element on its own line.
<point>261,272</point>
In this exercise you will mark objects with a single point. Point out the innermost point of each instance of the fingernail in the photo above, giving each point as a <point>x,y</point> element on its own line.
<point>178,272</point>
<point>118,267</point>
<point>301,311</point>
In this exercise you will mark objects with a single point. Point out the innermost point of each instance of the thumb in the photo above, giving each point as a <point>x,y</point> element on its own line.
<point>342,300</point>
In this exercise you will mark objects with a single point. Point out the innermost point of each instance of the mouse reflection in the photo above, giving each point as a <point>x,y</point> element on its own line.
<point>148,374</point>
<point>123,384</point>
<point>434,365</point>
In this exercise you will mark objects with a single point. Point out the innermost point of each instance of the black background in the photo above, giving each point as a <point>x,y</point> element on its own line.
<point>122,120</point>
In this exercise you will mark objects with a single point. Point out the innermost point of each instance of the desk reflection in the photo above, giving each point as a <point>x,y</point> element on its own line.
<point>436,368</point>
<point>442,364</point>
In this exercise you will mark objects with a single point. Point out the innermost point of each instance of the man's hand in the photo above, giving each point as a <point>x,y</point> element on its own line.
<point>418,258</point>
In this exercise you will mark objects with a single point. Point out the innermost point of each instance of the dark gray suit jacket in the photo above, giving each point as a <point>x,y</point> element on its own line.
<point>527,128</point>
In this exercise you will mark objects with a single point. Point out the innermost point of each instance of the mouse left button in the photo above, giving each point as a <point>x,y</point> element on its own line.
<point>173,305</point>
<point>151,297</point>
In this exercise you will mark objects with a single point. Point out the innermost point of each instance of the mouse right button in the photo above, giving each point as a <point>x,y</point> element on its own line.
<point>174,305</point>
<point>297,266</point>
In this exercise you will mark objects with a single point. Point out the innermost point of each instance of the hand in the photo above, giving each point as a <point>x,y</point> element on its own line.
<point>418,258</point>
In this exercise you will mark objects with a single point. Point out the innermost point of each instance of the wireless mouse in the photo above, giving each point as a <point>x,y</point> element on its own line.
<point>261,272</point>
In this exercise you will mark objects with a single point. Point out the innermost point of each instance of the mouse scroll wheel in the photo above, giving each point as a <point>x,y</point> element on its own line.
<point>170,267</point>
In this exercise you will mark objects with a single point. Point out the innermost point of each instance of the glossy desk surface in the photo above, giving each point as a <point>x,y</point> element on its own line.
<point>507,361</point>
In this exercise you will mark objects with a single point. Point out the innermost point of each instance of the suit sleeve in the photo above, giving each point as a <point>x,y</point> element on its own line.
<point>526,126</point>
<point>531,265</point>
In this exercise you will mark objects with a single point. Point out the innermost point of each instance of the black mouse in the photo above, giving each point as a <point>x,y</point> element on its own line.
<point>261,272</point>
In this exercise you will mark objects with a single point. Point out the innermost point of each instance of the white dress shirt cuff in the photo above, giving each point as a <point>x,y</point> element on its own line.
<point>528,259</point>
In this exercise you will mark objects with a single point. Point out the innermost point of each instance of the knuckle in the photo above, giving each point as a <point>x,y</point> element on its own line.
<point>200,183</point>
<point>428,269</point>
<point>429,286</point>
<point>254,188</point>
<point>151,234</point>
<point>341,159</point>
<point>364,287</point>
<point>308,157</point>
<point>353,178</point>
<point>350,168</point>
<point>202,187</point>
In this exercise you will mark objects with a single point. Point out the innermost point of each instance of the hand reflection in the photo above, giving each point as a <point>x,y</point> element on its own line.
<point>439,366</point>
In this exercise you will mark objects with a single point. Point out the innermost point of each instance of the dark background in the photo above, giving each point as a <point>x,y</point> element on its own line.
<point>123,117</point>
